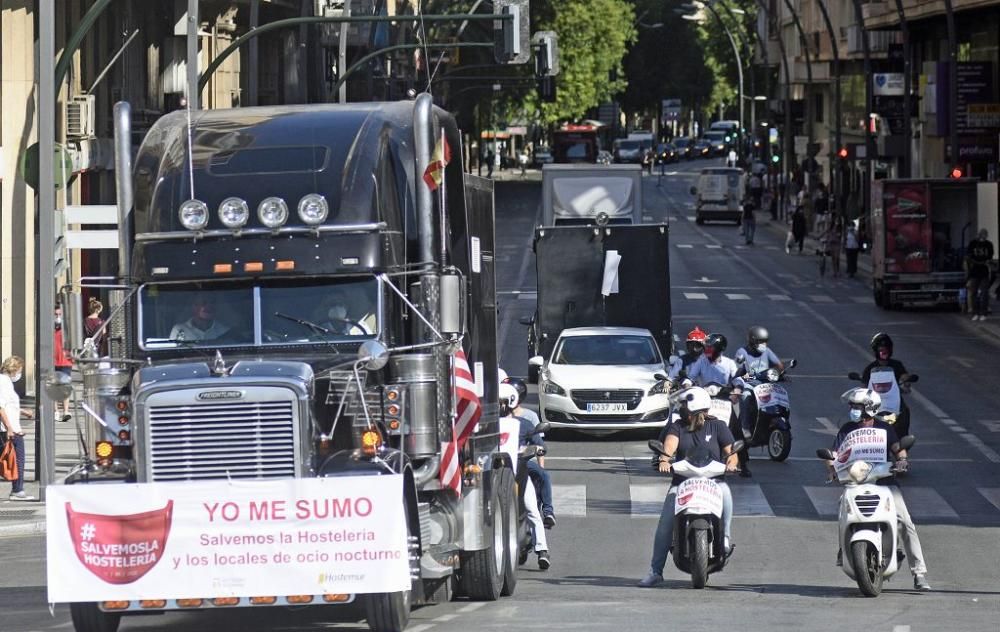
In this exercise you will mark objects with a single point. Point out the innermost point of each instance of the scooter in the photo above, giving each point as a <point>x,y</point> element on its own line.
<point>900,417</point>
<point>869,531</point>
<point>525,542</point>
<point>770,412</point>
<point>699,547</point>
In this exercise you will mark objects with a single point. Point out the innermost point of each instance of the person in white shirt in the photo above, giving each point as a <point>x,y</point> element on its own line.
<point>754,359</point>
<point>202,324</point>
<point>10,415</point>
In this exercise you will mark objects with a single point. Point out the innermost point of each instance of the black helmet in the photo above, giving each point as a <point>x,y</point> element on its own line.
<point>756,336</point>
<point>522,388</point>
<point>716,343</point>
<point>880,340</point>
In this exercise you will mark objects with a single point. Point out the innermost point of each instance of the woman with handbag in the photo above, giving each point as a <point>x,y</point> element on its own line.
<point>10,415</point>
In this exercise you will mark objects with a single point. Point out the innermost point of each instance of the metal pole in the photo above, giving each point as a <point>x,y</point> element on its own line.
<point>388,49</point>
<point>869,140</point>
<point>787,137</point>
<point>342,56</point>
<point>736,52</point>
<point>193,93</point>
<point>952,81</point>
<point>753,87</point>
<point>253,54</point>
<point>907,151</point>
<point>809,72</point>
<point>45,261</point>
<point>836,175</point>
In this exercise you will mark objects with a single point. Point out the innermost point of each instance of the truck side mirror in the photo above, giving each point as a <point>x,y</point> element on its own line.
<point>72,303</point>
<point>373,354</point>
<point>452,304</point>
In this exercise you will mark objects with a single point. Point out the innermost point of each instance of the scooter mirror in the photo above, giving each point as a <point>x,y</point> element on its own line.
<point>914,378</point>
<point>527,321</point>
<point>738,445</point>
<point>657,446</point>
<point>791,363</point>
<point>825,454</point>
<point>659,377</point>
<point>854,375</point>
<point>907,442</point>
<point>542,428</point>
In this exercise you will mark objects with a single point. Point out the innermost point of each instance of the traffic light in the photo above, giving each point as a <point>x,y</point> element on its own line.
<point>547,89</point>
<point>775,158</point>
<point>956,172</point>
<point>842,153</point>
<point>509,45</point>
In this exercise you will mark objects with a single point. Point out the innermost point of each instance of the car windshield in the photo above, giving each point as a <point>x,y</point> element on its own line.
<point>628,144</point>
<point>682,142</point>
<point>257,313</point>
<point>606,350</point>
<point>715,135</point>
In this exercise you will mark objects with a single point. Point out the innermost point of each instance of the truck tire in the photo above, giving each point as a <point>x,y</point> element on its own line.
<point>87,617</point>
<point>482,571</point>
<point>388,612</point>
<point>510,533</point>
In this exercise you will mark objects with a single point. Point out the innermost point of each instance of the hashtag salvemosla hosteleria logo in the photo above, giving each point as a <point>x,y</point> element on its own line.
<point>88,531</point>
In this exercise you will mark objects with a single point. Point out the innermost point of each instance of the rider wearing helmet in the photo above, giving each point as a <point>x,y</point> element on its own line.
<point>536,467</point>
<point>694,347</point>
<point>864,404</point>
<point>509,424</point>
<point>754,359</point>
<point>881,345</point>
<point>700,431</point>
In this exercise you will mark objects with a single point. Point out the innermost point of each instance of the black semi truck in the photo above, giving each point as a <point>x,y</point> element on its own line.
<point>302,257</point>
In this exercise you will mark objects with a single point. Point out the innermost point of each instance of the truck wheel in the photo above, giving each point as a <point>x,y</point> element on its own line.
<point>510,533</point>
<point>482,571</point>
<point>388,612</point>
<point>87,617</point>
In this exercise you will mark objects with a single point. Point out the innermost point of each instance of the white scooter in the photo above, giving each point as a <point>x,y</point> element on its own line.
<point>699,547</point>
<point>869,529</point>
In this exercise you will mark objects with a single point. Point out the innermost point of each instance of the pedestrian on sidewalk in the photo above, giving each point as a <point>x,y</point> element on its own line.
<point>756,189</point>
<point>748,221</point>
<point>10,415</point>
<point>798,232</point>
<point>93,323</point>
<point>821,206</point>
<point>978,262</point>
<point>61,360</point>
<point>834,240</point>
<point>852,246</point>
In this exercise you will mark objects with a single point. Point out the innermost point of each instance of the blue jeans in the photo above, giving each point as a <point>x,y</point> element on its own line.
<point>543,482</point>
<point>18,485</point>
<point>664,538</point>
<point>748,411</point>
<point>749,228</point>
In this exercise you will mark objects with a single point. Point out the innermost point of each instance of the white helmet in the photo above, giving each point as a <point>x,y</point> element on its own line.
<point>508,395</point>
<point>866,397</point>
<point>696,399</point>
<point>501,375</point>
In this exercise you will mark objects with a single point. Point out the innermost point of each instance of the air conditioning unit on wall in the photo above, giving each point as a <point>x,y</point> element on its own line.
<point>80,116</point>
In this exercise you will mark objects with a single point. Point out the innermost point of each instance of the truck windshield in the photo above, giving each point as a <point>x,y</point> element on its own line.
<point>253,313</point>
<point>606,350</point>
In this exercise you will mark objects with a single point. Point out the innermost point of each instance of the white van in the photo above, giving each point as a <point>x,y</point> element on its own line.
<point>719,194</point>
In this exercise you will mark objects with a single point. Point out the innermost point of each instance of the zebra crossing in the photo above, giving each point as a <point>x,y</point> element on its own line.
<point>809,298</point>
<point>926,504</point>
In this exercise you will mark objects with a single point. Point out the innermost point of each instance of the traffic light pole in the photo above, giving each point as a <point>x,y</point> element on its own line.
<point>836,171</point>
<point>787,136</point>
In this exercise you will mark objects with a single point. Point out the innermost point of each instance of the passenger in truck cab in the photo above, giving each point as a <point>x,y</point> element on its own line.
<point>202,325</point>
<point>348,312</point>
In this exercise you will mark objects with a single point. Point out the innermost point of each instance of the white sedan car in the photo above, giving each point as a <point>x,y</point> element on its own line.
<point>601,380</point>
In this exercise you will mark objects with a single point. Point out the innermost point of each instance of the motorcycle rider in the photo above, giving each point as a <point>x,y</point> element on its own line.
<point>536,467</point>
<point>711,367</point>
<point>508,403</point>
<point>864,403</point>
<point>754,359</point>
<point>700,431</point>
<point>881,346</point>
<point>694,347</point>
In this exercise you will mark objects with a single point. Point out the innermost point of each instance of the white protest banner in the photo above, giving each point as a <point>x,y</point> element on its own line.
<point>883,381</point>
<point>340,535</point>
<point>699,496</point>
<point>863,444</point>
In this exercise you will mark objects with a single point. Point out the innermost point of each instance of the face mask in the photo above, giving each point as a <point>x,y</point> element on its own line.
<point>855,414</point>
<point>762,347</point>
<point>884,354</point>
<point>58,321</point>
<point>338,312</point>
<point>16,378</point>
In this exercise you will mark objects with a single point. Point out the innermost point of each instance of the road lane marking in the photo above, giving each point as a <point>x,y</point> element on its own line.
<point>992,494</point>
<point>779,297</point>
<point>738,297</point>
<point>420,628</point>
<point>864,300</point>
<point>570,500</point>
<point>685,245</point>
<point>820,298</point>
<point>696,296</point>
<point>901,628</point>
<point>829,427</point>
<point>472,607</point>
<point>749,500</point>
<point>714,246</point>
<point>445,618</point>
<point>647,500</point>
<point>977,443</point>
<point>958,428</point>
<point>925,502</point>
<point>993,425</point>
<point>825,500</point>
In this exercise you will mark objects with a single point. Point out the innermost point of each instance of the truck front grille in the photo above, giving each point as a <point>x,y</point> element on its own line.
<point>199,441</point>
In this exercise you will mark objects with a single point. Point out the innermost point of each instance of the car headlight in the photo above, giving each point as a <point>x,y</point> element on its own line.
<point>551,388</point>
<point>234,212</point>
<point>272,212</point>
<point>662,387</point>
<point>313,209</point>
<point>772,375</point>
<point>194,214</point>
<point>859,471</point>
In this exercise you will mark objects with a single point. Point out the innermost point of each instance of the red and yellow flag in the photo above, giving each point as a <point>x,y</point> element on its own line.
<point>434,174</point>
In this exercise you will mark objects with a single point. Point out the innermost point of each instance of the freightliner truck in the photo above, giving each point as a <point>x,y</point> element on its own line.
<point>330,285</point>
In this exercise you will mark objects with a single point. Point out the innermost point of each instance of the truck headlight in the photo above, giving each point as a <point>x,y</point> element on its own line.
<point>313,209</point>
<point>272,212</point>
<point>551,388</point>
<point>194,214</point>
<point>234,212</point>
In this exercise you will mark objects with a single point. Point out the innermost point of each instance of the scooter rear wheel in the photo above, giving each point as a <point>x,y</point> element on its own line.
<point>867,568</point>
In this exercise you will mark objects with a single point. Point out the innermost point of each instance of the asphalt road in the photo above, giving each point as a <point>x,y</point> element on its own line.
<point>782,575</point>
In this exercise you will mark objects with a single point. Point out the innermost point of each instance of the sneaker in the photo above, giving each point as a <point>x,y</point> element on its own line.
<point>729,547</point>
<point>920,583</point>
<point>975,318</point>
<point>549,520</point>
<point>653,579</point>
<point>745,472</point>
<point>544,561</point>
<point>840,557</point>
<point>22,496</point>
<point>982,318</point>
<point>63,418</point>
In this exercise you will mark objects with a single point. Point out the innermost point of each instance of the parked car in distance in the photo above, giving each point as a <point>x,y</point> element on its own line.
<point>683,147</point>
<point>601,380</point>
<point>543,156</point>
